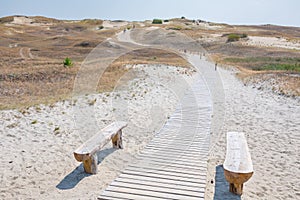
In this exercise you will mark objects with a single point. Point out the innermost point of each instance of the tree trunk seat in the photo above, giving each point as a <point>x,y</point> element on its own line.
<point>87,152</point>
<point>238,167</point>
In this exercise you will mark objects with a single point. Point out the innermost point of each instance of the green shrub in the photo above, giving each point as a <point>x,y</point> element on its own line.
<point>100,27</point>
<point>182,17</point>
<point>157,21</point>
<point>67,62</point>
<point>166,20</point>
<point>233,37</point>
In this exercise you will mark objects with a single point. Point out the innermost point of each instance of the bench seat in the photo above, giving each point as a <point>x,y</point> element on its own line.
<point>238,167</point>
<point>87,152</point>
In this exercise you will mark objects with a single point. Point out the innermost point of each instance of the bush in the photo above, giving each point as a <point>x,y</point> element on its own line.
<point>157,21</point>
<point>68,62</point>
<point>182,17</point>
<point>166,20</point>
<point>100,27</point>
<point>232,37</point>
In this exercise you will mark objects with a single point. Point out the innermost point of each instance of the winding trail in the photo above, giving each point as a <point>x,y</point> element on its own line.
<point>174,164</point>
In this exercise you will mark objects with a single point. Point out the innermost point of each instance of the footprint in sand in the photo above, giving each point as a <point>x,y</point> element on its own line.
<point>25,53</point>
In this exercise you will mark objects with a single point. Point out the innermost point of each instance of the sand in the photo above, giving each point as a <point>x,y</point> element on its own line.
<point>276,42</point>
<point>37,160</point>
<point>272,128</point>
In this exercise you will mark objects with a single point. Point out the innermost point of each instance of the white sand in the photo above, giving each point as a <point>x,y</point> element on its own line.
<point>114,24</point>
<point>272,42</point>
<point>37,162</point>
<point>272,127</point>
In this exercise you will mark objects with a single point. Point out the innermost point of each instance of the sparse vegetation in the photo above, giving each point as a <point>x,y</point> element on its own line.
<point>268,63</point>
<point>233,37</point>
<point>176,28</point>
<point>157,21</point>
<point>68,62</point>
<point>280,67</point>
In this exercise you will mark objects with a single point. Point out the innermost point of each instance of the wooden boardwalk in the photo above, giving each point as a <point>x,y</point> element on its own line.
<point>173,165</point>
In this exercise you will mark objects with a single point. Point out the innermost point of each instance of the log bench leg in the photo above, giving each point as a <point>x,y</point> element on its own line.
<point>236,188</point>
<point>117,140</point>
<point>90,165</point>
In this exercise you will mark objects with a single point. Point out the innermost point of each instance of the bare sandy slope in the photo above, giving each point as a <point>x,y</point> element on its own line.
<point>37,161</point>
<point>271,125</point>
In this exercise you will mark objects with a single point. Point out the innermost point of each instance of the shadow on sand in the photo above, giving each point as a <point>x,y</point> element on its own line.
<point>78,174</point>
<point>222,186</point>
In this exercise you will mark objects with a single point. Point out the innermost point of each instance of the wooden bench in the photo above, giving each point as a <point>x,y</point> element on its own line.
<point>238,167</point>
<point>87,152</point>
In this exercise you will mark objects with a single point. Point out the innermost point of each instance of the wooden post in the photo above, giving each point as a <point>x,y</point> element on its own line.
<point>90,164</point>
<point>117,141</point>
<point>236,181</point>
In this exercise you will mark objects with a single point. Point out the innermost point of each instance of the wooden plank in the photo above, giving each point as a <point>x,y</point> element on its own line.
<point>157,188</point>
<point>167,181</point>
<point>177,158</point>
<point>167,162</point>
<point>105,197</point>
<point>179,138</point>
<point>167,169</point>
<point>150,194</point>
<point>166,153</point>
<point>176,148</point>
<point>177,144</point>
<point>168,166</point>
<point>159,164</point>
<point>171,149</point>
<point>157,171</point>
<point>160,176</point>
<point>174,151</point>
<point>161,185</point>
<point>123,195</point>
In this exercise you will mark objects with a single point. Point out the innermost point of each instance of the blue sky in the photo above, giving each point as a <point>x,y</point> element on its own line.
<point>281,12</point>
